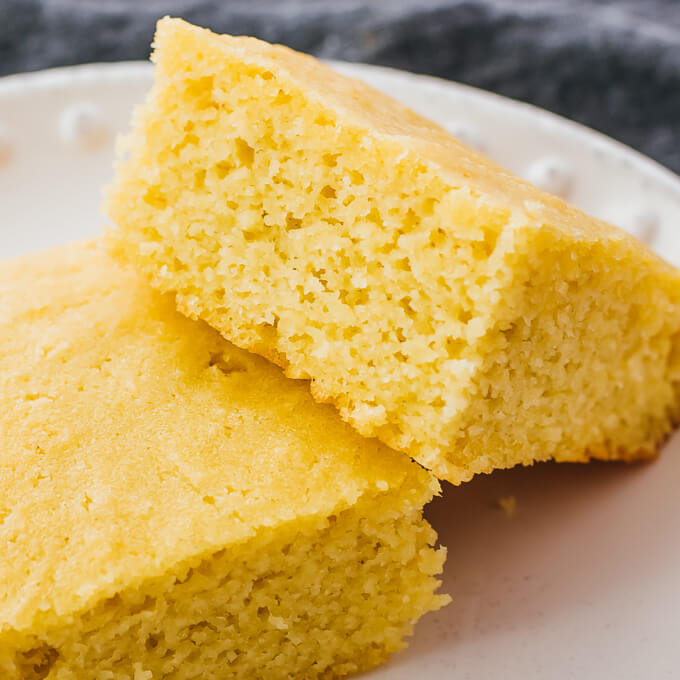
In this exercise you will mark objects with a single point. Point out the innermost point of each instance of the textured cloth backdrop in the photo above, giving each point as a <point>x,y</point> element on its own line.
<point>614,66</point>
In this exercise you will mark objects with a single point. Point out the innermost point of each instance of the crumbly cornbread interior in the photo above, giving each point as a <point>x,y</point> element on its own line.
<point>443,305</point>
<point>172,507</point>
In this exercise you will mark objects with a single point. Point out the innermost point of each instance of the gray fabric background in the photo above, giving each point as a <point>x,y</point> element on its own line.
<point>614,66</point>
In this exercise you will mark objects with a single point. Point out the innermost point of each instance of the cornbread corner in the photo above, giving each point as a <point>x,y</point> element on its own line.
<point>172,507</point>
<point>442,304</point>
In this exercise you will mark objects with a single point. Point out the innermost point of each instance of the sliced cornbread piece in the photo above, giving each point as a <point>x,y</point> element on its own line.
<point>445,306</point>
<point>172,507</point>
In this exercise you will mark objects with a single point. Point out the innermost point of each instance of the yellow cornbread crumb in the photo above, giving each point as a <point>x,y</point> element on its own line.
<point>508,504</point>
<point>172,507</point>
<point>442,304</point>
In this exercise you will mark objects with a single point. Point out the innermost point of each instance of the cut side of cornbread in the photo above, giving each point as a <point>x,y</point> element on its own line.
<point>172,507</point>
<point>442,304</point>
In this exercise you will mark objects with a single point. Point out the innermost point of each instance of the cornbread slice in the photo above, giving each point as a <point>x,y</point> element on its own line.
<point>172,507</point>
<point>445,306</point>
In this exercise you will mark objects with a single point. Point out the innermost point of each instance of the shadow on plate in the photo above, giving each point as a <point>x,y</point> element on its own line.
<point>581,537</point>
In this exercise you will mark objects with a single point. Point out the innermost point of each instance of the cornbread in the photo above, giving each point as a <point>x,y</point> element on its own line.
<point>442,304</point>
<point>172,507</point>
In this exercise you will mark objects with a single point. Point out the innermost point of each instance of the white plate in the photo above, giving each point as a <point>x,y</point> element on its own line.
<point>583,581</point>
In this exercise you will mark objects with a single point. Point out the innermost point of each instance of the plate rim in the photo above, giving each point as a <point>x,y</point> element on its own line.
<point>20,84</point>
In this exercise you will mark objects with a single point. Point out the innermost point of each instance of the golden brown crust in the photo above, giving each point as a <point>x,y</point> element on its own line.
<point>382,116</point>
